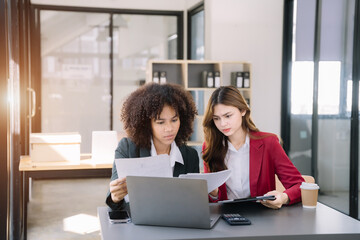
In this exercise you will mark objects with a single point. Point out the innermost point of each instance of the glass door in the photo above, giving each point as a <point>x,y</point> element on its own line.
<point>75,73</point>
<point>321,100</point>
<point>91,61</point>
<point>137,39</point>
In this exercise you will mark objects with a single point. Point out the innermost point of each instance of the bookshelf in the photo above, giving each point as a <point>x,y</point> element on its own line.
<point>192,75</point>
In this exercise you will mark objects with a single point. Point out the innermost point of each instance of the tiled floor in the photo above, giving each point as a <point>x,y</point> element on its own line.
<point>66,209</point>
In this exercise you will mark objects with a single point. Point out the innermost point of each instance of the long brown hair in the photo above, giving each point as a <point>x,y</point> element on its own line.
<point>216,142</point>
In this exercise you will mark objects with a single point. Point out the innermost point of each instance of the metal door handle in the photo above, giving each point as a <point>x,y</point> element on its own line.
<point>33,102</point>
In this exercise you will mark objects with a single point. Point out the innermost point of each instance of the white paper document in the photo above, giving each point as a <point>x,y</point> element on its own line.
<point>156,166</point>
<point>214,180</point>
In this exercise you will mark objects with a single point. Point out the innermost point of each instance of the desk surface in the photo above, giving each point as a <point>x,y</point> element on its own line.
<point>291,222</point>
<point>85,163</point>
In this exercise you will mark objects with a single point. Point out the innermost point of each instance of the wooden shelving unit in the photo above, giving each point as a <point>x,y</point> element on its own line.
<point>189,74</point>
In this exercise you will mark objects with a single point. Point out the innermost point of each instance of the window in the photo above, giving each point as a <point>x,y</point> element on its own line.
<point>317,126</point>
<point>196,42</point>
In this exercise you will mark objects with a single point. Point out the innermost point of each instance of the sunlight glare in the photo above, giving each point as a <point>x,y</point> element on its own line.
<point>81,224</point>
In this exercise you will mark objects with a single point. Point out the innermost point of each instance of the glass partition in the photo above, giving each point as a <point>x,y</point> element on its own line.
<point>75,64</point>
<point>82,87</point>
<point>322,64</point>
<point>137,39</point>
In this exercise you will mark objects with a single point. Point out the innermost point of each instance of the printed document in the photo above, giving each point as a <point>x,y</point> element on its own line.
<point>156,166</point>
<point>214,180</point>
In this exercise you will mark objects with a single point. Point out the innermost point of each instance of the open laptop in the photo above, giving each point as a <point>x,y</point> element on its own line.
<point>175,202</point>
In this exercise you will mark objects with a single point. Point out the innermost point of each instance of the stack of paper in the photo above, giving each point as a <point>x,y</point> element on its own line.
<point>214,180</point>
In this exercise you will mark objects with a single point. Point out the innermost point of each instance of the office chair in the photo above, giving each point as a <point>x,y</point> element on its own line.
<point>279,187</point>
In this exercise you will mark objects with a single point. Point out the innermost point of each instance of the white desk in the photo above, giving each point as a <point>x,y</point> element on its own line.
<point>291,222</point>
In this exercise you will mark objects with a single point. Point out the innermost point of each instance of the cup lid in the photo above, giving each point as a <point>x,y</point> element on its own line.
<point>311,186</point>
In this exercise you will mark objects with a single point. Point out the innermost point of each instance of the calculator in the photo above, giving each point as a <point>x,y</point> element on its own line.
<point>235,219</point>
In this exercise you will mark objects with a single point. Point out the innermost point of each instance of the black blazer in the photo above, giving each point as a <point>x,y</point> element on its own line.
<point>127,149</point>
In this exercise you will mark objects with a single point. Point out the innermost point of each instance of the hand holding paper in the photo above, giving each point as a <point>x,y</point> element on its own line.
<point>214,180</point>
<point>157,166</point>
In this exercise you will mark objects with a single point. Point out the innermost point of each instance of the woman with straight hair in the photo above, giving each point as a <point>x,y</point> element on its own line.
<point>158,119</point>
<point>232,141</point>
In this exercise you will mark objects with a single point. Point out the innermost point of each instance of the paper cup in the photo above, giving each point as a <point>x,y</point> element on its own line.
<point>309,194</point>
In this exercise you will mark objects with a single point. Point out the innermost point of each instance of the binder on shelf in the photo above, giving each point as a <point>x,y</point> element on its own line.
<point>162,77</point>
<point>237,79</point>
<point>217,79</point>
<point>247,101</point>
<point>246,79</point>
<point>208,79</point>
<point>204,78</point>
<point>156,78</point>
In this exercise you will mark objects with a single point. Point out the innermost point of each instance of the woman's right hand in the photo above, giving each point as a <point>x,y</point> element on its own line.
<point>118,189</point>
<point>215,193</point>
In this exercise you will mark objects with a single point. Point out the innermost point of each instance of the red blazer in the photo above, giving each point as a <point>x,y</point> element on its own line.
<point>268,158</point>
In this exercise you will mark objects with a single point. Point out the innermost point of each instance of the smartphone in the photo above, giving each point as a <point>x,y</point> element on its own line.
<point>119,216</point>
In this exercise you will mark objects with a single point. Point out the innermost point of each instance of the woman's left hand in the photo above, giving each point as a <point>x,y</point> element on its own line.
<point>281,198</point>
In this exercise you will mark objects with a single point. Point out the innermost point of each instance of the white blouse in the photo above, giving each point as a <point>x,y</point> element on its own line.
<point>175,154</point>
<point>237,161</point>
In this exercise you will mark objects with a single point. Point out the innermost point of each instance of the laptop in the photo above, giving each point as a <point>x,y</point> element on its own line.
<point>174,202</point>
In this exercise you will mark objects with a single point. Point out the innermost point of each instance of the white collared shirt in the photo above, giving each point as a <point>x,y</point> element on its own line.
<point>175,154</point>
<point>238,185</point>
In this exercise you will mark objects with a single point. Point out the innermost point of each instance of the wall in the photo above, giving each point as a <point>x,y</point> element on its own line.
<point>243,30</point>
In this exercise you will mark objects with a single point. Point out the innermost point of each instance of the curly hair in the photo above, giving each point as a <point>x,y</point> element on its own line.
<point>147,102</point>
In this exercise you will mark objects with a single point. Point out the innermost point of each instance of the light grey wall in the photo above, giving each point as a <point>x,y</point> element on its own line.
<point>250,30</point>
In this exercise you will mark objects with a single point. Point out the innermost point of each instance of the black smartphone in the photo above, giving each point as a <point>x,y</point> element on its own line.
<point>119,216</point>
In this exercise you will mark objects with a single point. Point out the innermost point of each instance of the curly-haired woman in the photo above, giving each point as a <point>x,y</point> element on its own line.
<point>158,119</point>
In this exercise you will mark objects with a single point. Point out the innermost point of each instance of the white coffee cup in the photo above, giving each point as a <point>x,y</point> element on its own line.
<point>309,194</point>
